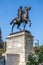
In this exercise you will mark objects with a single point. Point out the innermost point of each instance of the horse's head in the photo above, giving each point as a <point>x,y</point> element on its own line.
<point>20,7</point>
<point>27,8</point>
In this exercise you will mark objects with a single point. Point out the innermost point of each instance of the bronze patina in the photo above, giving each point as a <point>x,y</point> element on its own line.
<point>22,17</point>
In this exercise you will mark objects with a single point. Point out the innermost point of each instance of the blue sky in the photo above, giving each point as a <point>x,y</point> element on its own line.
<point>8,11</point>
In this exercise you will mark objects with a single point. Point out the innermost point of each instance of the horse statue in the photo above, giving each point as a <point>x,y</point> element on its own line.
<point>25,16</point>
<point>22,18</point>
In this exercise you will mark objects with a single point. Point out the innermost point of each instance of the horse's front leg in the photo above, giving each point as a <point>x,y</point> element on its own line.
<point>12,27</point>
<point>24,25</point>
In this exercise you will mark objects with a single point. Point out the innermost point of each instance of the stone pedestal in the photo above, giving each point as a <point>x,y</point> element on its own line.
<point>18,47</point>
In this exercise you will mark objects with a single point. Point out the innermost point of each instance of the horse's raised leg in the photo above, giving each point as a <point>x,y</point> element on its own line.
<point>30,23</point>
<point>24,25</point>
<point>13,27</point>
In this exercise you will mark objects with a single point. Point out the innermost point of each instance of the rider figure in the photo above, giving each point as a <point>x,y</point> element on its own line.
<point>20,12</point>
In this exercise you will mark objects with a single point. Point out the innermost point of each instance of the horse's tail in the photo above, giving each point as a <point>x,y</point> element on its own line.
<point>12,22</point>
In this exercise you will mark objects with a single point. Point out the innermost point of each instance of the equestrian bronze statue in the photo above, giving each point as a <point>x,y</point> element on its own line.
<point>22,17</point>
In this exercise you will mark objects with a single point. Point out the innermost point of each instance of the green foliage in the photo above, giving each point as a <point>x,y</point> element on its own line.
<point>3,50</point>
<point>41,49</point>
<point>36,59</point>
<point>32,59</point>
<point>40,57</point>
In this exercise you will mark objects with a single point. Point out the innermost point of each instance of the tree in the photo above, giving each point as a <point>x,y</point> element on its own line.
<point>36,50</point>
<point>41,49</point>
<point>35,59</point>
<point>2,50</point>
<point>40,57</point>
<point>32,59</point>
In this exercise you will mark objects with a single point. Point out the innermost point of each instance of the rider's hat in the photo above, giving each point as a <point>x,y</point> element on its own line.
<point>20,7</point>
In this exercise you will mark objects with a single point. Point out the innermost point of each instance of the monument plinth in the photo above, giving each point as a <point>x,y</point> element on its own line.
<point>18,47</point>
